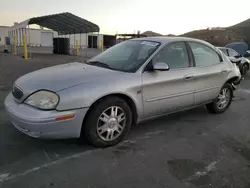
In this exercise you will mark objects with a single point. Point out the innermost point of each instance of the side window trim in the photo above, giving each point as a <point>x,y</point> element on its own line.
<point>190,55</point>
<point>219,55</point>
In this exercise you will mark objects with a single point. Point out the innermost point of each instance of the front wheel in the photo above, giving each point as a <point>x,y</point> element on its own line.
<point>108,122</point>
<point>223,101</point>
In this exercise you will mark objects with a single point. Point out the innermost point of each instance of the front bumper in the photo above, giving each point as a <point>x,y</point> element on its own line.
<point>43,124</point>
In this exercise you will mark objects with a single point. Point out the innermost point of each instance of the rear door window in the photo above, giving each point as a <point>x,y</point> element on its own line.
<point>204,55</point>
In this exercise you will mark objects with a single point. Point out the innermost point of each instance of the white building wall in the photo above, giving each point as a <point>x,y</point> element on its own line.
<point>35,37</point>
<point>47,38</point>
<point>3,33</point>
<point>40,37</point>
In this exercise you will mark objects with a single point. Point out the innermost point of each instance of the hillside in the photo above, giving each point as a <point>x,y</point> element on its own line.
<point>235,33</point>
<point>244,24</point>
<point>242,28</point>
<point>217,36</point>
<point>151,34</point>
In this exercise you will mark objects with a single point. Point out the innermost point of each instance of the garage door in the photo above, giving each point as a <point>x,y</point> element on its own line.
<point>46,39</point>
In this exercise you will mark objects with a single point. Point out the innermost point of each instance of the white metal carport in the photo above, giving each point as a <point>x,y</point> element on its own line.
<point>62,23</point>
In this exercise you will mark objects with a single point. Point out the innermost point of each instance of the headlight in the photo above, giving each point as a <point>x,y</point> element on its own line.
<point>45,100</point>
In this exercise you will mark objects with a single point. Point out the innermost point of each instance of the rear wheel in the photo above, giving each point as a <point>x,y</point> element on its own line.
<point>108,122</point>
<point>244,69</point>
<point>223,101</point>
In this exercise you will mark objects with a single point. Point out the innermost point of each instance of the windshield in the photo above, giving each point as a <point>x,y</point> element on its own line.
<point>126,56</point>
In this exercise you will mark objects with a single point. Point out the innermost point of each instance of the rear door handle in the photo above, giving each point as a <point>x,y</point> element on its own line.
<point>188,77</point>
<point>224,70</point>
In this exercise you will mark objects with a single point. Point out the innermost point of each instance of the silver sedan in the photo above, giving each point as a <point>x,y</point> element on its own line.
<point>131,82</point>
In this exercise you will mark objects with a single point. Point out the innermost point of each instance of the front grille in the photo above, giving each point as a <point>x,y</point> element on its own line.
<point>17,92</point>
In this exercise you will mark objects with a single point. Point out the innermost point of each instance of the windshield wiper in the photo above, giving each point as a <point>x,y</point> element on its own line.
<point>99,64</point>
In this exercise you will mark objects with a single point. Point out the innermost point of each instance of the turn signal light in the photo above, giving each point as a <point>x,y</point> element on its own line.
<point>63,118</point>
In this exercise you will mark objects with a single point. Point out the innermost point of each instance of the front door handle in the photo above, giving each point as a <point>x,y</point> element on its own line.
<point>224,70</point>
<point>188,77</point>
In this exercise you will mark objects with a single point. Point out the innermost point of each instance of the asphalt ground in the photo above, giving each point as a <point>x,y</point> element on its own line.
<point>186,149</point>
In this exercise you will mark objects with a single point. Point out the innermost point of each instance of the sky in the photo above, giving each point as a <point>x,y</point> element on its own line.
<point>128,16</point>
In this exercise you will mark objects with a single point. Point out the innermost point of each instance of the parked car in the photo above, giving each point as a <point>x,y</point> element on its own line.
<point>235,57</point>
<point>240,47</point>
<point>133,81</point>
<point>247,54</point>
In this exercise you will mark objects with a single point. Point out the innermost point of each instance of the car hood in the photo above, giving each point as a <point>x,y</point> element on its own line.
<point>61,77</point>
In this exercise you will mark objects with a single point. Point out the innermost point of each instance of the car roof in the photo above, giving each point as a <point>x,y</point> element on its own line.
<point>166,39</point>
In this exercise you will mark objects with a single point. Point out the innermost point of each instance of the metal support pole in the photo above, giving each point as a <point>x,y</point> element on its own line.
<point>74,44</point>
<point>77,48</point>
<point>15,43</point>
<point>74,39</point>
<point>80,40</point>
<point>20,35</point>
<point>87,41</point>
<point>25,51</point>
<point>17,40</point>
<point>102,47</point>
<point>29,41</point>
<point>22,42</point>
<point>92,41</point>
<point>12,41</point>
<point>14,37</point>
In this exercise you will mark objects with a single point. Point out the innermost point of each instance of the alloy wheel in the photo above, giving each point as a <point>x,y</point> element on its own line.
<point>111,123</point>
<point>223,98</point>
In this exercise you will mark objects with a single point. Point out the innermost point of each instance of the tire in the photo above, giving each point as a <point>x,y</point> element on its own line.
<point>244,69</point>
<point>237,82</point>
<point>213,106</point>
<point>95,122</point>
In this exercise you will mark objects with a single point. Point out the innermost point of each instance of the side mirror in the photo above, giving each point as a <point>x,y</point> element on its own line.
<point>161,66</point>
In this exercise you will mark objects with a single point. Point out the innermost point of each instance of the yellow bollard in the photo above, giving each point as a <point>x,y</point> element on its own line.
<point>77,48</point>
<point>101,45</point>
<point>15,50</point>
<point>25,52</point>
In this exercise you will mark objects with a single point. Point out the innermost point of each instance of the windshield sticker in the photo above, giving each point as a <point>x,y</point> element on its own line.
<point>148,43</point>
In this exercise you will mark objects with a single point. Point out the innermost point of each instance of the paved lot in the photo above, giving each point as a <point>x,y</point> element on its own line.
<point>12,67</point>
<point>187,149</point>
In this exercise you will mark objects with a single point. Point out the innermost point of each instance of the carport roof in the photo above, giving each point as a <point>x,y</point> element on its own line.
<point>63,23</point>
